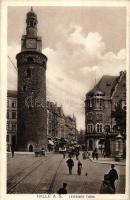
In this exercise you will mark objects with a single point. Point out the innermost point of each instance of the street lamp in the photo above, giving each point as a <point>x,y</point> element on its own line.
<point>119,147</point>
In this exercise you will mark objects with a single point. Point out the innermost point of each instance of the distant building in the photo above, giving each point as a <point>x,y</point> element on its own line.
<point>60,129</point>
<point>99,104</point>
<point>60,125</point>
<point>70,128</point>
<point>81,137</point>
<point>51,119</point>
<point>11,118</point>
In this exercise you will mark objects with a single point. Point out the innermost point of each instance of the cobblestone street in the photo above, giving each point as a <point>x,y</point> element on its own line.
<point>29,174</point>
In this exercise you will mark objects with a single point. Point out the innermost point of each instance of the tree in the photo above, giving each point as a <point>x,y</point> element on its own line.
<point>120,117</point>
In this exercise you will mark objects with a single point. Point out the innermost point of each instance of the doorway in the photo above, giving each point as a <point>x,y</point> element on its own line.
<point>90,144</point>
<point>30,148</point>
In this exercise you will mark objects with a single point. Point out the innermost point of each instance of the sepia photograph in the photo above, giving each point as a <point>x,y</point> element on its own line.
<point>66,101</point>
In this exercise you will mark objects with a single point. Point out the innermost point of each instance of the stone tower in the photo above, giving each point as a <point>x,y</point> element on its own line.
<point>32,113</point>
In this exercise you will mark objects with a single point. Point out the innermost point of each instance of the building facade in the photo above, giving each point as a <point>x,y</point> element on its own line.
<point>11,118</point>
<point>51,119</point>
<point>70,128</point>
<point>60,125</point>
<point>31,64</point>
<point>100,102</point>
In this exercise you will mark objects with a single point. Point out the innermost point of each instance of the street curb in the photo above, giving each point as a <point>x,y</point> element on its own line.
<point>25,153</point>
<point>109,163</point>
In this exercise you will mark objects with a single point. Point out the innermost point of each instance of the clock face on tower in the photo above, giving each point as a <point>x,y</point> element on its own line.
<point>31,43</point>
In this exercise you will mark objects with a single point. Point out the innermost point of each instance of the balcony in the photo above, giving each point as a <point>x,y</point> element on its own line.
<point>94,135</point>
<point>98,135</point>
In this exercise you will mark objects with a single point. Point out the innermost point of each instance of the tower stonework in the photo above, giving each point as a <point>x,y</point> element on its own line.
<point>32,113</point>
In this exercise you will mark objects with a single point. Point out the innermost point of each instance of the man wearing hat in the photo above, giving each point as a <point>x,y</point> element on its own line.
<point>63,190</point>
<point>113,175</point>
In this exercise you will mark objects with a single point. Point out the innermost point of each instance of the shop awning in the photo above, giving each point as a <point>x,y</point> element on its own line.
<point>50,142</point>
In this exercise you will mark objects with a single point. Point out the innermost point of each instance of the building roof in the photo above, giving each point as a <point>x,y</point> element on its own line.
<point>96,91</point>
<point>31,13</point>
<point>105,86</point>
<point>107,83</point>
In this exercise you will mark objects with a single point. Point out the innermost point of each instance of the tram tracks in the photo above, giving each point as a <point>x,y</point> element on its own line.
<point>13,182</point>
<point>38,190</point>
<point>44,182</point>
<point>10,179</point>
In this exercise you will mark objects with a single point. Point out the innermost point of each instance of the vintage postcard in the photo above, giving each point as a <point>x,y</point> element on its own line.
<point>64,100</point>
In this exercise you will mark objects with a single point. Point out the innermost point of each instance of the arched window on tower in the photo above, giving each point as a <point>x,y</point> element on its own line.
<point>30,60</point>
<point>44,64</point>
<point>24,88</point>
<point>32,23</point>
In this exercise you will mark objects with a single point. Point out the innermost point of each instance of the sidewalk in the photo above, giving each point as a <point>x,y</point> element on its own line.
<point>26,153</point>
<point>108,161</point>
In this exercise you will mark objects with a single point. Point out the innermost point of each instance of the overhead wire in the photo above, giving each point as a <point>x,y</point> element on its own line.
<point>12,63</point>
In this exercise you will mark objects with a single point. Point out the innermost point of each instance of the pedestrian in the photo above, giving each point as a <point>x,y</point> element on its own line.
<point>70,164</point>
<point>84,155</point>
<point>43,151</point>
<point>77,155</point>
<point>79,167</point>
<point>64,154</point>
<point>12,150</point>
<point>104,154</point>
<point>49,147</point>
<point>87,154</point>
<point>93,155</point>
<point>101,148</point>
<point>96,155</point>
<point>113,175</point>
<point>63,190</point>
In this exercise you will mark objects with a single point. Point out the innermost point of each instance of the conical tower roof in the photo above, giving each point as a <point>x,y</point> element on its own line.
<point>31,13</point>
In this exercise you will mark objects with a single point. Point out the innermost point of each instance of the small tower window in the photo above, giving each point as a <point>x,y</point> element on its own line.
<point>44,64</point>
<point>24,88</point>
<point>28,73</point>
<point>30,60</point>
<point>31,23</point>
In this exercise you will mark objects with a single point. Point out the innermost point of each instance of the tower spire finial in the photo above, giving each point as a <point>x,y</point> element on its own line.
<point>31,9</point>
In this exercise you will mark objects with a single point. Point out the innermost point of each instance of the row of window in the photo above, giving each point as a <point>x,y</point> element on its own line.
<point>97,103</point>
<point>11,114</point>
<point>11,126</point>
<point>98,128</point>
<point>11,104</point>
<point>12,139</point>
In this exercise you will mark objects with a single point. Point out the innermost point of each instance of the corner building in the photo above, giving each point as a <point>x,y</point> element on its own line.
<point>32,113</point>
<point>100,102</point>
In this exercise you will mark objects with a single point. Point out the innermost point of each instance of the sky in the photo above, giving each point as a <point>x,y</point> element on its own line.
<point>82,44</point>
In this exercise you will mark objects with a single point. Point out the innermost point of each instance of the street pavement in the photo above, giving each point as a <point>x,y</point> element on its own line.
<point>27,174</point>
